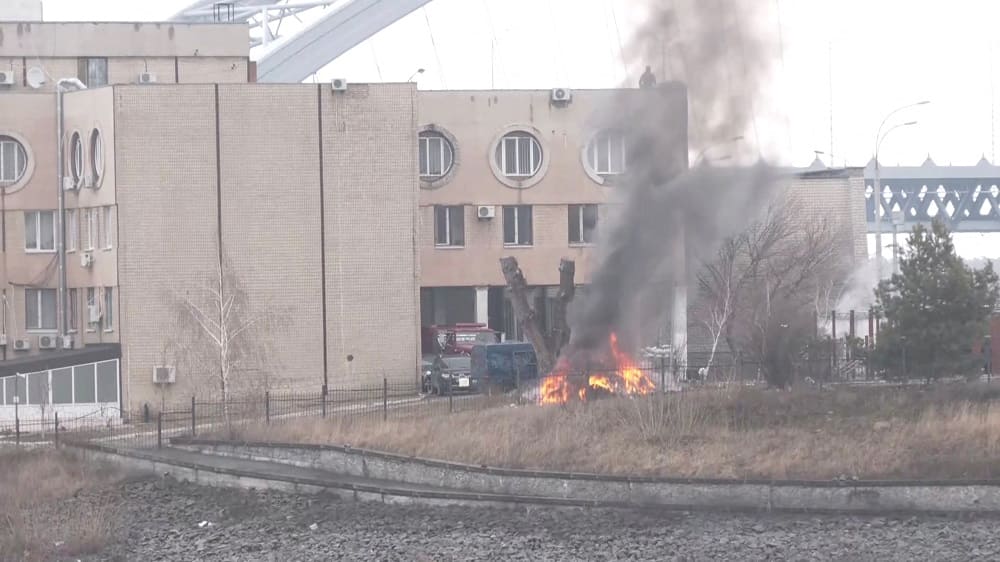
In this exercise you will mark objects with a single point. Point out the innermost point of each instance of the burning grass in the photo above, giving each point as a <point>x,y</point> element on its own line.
<point>38,519</point>
<point>951,432</point>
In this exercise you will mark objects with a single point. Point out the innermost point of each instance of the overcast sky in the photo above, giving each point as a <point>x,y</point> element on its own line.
<point>867,57</point>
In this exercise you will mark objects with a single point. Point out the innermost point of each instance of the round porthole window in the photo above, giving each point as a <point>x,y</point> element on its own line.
<point>13,162</point>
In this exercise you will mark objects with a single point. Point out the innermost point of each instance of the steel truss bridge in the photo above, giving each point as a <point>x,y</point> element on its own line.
<point>966,198</point>
<point>337,26</point>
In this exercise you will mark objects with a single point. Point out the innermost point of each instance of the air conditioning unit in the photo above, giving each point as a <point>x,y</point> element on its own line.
<point>93,314</point>
<point>69,184</point>
<point>486,211</point>
<point>338,85</point>
<point>147,78</point>
<point>47,342</point>
<point>3,340</point>
<point>88,181</point>
<point>6,78</point>
<point>22,345</point>
<point>164,374</point>
<point>86,259</point>
<point>561,95</point>
<point>66,342</point>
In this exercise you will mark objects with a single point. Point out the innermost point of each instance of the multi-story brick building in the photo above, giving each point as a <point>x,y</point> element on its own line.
<point>341,219</point>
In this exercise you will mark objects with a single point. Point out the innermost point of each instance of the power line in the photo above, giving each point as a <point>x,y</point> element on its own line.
<point>618,33</point>
<point>437,56</point>
<point>784,79</point>
<point>493,34</point>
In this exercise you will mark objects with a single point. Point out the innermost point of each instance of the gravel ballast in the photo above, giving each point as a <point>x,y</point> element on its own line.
<point>168,520</point>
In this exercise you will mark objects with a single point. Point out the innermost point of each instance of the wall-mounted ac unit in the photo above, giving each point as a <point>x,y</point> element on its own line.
<point>3,340</point>
<point>93,314</point>
<point>561,95</point>
<point>486,211</point>
<point>69,184</point>
<point>88,181</point>
<point>67,342</point>
<point>22,345</point>
<point>86,259</point>
<point>6,78</point>
<point>47,342</point>
<point>164,374</point>
<point>338,85</point>
<point>147,78</point>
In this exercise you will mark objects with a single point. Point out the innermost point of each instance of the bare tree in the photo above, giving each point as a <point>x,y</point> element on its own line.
<point>761,291</point>
<point>224,337</point>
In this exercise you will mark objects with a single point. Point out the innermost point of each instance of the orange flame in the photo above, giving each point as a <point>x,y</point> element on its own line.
<point>627,378</point>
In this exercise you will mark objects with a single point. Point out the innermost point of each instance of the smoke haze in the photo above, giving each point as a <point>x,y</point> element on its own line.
<point>716,64</point>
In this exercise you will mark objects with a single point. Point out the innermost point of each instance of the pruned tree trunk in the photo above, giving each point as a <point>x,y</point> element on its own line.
<point>526,315</point>
<point>567,289</point>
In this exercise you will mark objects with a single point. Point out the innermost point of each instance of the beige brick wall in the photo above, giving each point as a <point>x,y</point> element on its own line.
<point>839,200</point>
<point>271,217</point>
<point>167,222</point>
<point>166,185</point>
<point>370,199</point>
<point>126,70</point>
<point>151,39</point>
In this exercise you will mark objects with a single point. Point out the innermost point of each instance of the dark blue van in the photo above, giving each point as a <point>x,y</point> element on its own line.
<point>499,364</point>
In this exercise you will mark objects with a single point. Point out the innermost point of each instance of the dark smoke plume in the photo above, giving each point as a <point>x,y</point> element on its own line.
<point>715,64</point>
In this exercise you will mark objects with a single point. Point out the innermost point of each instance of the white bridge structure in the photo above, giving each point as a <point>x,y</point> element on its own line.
<point>334,28</point>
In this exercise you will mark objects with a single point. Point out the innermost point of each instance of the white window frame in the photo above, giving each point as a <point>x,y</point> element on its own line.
<point>108,309</point>
<point>97,155</point>
<point>90,220</point>
<point>91,301</point>
<point>516,138</point>
<point>108,220</point>
<point>579,222</point>
<point>449,236</point>
<point>604,142</point>
<point>518,243</point>
<point>19,165</point>
<point>38,329</point>
<point>447,154</point>
<point>76,158</point>
<point>72,230</point>
<point>72,310</point>
<point>38,232</point>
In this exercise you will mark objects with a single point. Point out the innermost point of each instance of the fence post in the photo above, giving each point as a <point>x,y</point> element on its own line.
<point>517,381</point>
<point>17,430</point>
<point>192,417</point>
<point>159,430</point>
<point>663,374</point>
<point>385,399</point>
<point>267,406</point>
<point>322,399</point>
<point>56,423</point>
<point>145,412</point>
<point>451,403</point>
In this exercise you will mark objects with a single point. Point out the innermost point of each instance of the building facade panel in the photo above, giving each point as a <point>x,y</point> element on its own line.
<point>370,204</point>
<point>202,70</point>
<point>123,39</point>
<point>271,219</point>
<point>167,193</point>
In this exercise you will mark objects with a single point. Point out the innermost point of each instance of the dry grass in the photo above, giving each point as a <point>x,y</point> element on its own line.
<point>951,432</point>
<point>38,519</point>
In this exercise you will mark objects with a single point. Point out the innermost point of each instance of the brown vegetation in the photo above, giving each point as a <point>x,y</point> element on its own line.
<point>38,519</point>
<point>951,432</point>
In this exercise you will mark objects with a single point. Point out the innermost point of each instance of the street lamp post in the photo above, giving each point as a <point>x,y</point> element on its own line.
<point>877,187</point>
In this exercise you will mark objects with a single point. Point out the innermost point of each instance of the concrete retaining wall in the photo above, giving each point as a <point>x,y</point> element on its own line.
<point>837,496</point>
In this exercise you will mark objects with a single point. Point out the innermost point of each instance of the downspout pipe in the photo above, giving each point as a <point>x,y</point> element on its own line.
<point>63,85</point>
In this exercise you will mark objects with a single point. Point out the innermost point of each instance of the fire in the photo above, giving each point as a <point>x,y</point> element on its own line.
<point>627,378</point>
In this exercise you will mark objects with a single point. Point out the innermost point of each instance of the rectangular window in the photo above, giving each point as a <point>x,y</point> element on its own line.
<point>72,310</point>
<point>519,155</point>
<point>72,230</point>
<point>449,225</point>
<point>40,309</point>
<point>12,160</point>
<point>93,71</point>
<point>39,231</point>
<point>582,224</point>
<point>517,225</point>
<point>84,383</point>
<point>108,219</point>
<point>92,309</point>
<point>108,314</point>
<point>90,228</point>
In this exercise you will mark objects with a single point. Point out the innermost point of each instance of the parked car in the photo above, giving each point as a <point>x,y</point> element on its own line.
<point>500,365</point>
<point>452,373</point>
